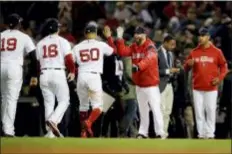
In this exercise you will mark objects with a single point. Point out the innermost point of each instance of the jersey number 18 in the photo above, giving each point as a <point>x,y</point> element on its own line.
<point>50,51</point>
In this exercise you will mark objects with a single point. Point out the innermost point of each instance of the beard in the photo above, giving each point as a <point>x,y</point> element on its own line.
<point>138,41</point>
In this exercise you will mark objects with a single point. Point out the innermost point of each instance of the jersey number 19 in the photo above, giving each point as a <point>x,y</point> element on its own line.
<point>8,44</point>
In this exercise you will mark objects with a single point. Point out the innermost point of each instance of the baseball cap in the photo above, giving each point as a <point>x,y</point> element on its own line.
<point>140,30</point>
<point>91,27</point>
<point>203,31</point>
<point>13,20</point>
<point>51,25</point>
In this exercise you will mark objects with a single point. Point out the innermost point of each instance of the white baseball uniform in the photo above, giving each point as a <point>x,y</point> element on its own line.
<point>14,45</point>
<point>89,55</point>
<point>51,52</point>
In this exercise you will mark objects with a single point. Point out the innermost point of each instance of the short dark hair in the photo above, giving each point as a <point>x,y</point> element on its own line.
<point>168,38</point>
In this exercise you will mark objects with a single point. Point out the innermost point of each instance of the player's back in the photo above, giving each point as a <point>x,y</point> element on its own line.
<point>51,51</point>
<point>89,55</point>
<point>14,45</point>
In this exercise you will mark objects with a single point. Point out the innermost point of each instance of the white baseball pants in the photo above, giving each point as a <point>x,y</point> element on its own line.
<point>166,105</point>
<point>11,83</point>
<point>149,97</point>
<point>53,83</point>
<point>89,90</point>
<point>205,104</point>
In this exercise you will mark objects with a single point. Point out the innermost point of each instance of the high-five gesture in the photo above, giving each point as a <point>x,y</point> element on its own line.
<point>120,31</point>
<point>107,32</point>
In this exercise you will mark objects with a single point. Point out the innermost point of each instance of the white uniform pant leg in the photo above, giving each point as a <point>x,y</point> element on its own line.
<point>166,105</point>
<point>13,84</point>
<point>95,91</point>
<point>154,99</point>
<point>210,102</point>
<point>48,95</point>
<point>4,90</point>
<point>61,91</point>
<point>82,92</point>
<point>143,110</point>
<point>199,108</point>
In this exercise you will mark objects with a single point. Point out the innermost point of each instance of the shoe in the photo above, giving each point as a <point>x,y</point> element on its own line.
<point>8,135</point>
<point>83,134</point>
<point>211,138</point>
<point>161,137</point>
<point>140,136</point>
<point>87,126</point>
<point>53,128</point>
<point>50,135</point>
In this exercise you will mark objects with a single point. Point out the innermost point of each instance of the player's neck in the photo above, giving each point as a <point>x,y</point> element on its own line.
<point>207,45</point>
<point>91,36</point>
<point>142,41</point>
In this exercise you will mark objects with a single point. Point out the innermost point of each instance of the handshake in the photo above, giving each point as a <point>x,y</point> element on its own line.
<point>107,32</point>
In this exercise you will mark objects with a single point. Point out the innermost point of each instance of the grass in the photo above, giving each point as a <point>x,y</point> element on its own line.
<point>98,145</point>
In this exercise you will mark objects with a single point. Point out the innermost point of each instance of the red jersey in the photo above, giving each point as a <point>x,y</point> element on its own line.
<point>145,57</point>
<point>209,63</point>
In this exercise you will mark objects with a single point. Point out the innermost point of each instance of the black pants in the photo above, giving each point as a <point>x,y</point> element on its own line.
<point>129,114</point>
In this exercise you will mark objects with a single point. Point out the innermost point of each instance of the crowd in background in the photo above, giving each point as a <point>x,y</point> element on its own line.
<point>180,19</point>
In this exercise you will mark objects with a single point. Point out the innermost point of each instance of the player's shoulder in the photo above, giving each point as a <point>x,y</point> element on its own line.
<point>216,49</point>
<point>62,39</point>
<point>4,32</point>
<point>197,48</point>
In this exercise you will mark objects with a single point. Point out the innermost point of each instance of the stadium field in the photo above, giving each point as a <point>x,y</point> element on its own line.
<point>117,146</point>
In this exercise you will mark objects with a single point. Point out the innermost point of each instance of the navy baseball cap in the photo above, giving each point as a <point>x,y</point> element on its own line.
<point>13,20</point>
<point>91,27</point>
<point>51,25</point>
<point>140,30</point>
<point>204,31</point>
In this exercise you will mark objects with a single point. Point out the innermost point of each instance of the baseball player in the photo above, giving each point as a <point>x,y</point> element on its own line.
<point>14,45</point>
<point>54,55</point>
<point>146,78</point>
<point>89,55</point>
<point>209,67</point>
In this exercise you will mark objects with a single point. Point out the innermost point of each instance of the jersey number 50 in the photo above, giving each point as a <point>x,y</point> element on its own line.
<point>50,51</point>
<point>89,55</point>
<point>8,44</point>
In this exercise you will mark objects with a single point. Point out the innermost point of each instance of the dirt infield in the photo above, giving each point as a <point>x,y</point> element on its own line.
<point>108,146</point>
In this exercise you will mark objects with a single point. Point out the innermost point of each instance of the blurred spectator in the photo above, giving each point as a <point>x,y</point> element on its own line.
<point>191,23</point>
<point>171,9</point>
<point>142,13</point>
<point>129,104</point>
<point>122,13</point>
<point>111,21</point>
<point>66,33</point>
<point>83,12</point>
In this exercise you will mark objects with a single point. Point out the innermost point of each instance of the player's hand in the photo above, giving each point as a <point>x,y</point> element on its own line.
<point>174,70</point>
<point>71,77</point>
<point>120,31</point>
<point>135,68</point>
<point>215,81</point>
<point>190,62</point>
<point>107,31</point>
<point>33,82</point>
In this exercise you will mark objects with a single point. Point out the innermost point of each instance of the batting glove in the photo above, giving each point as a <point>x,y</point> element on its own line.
<point>135,68</point>
<point>120,32</point>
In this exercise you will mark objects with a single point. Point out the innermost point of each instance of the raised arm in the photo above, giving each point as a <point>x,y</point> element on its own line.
<point>123,50</point>
<point>108,36</point>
